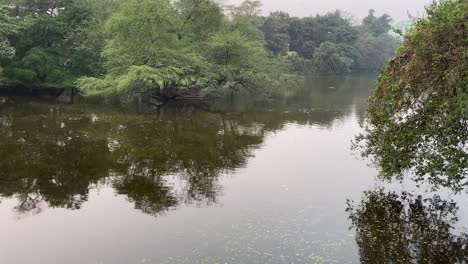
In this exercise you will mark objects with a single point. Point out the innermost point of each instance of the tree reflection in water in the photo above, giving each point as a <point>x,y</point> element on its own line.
<point>396,227</point>
<point>53,155</point>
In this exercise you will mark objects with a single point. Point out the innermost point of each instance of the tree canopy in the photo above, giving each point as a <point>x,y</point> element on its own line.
<point>164,46</point>
<point>171,45</point>
<point>377,25</point>
<point>331,43</point>
<point>48,49</point>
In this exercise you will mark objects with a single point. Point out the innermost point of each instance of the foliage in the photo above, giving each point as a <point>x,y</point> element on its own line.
<point>200,18</point>
<point>85,42</point>
<point>331,44</point>
<point>48,45</point>
<point>25,8</point>
<point>293,62</point>
<point>377,25</point>
<point>245,18</point>
<point>275,28</point>
<point>163,46</point>
<point>417,119</point>
<point>329,59</point>
<point>8,27</point>
<point>307,34</point>
<point>149,48</point>
<point>373,52</point>
<point>41,66</point>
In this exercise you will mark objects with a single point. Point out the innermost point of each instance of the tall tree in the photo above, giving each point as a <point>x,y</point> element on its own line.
<point>47,53</point>
<point>245,18</point>
<point>275,29</point>
<point>307,34</point>
<point>199,18</point>
<point>377,25</point>
<point>168,46</point>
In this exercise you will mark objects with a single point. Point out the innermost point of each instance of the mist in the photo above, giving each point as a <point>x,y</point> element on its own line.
<point>398,9</point>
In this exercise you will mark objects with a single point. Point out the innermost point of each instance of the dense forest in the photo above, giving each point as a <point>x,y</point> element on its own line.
<point>114,46</point>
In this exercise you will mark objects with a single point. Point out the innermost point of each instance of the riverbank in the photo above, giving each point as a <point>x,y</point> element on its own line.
<point>61,95</point>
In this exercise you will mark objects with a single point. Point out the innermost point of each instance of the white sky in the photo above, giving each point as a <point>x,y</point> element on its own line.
<point>398,9</point>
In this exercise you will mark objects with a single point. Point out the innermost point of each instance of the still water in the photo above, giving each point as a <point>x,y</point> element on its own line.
<point>186,184</point>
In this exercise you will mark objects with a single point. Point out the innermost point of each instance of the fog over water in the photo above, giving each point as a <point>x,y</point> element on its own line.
<point>398,9</point>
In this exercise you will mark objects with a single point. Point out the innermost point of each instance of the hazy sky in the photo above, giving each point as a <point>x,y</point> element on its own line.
<point>398,9</point>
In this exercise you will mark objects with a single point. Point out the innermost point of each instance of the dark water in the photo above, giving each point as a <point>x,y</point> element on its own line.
<point>247,184</point>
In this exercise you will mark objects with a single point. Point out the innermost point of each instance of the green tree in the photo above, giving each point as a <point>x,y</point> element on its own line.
<point>168,47</point>
<point>374,52</point>
<point>232,49</point>
<point>148,49</point>
<point>245,19</point>
<point>85,39</point>
<point>48,53</point>
<point>245,63</point>
<point>275,29</point>
<point>199,18</point>
<point>307,34</point>
<point>293,62</point>
<point>369,45</point>
<point>377,25</point>
<point>418,111</point>
<point>328,59</point>
<point>24,8</point>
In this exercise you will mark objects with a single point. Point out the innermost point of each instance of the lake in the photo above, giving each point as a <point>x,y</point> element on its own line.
<point>233,183</point>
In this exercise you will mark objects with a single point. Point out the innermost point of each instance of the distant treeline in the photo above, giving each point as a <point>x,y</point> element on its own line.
<point>117,46</point>
<point>330,43</point>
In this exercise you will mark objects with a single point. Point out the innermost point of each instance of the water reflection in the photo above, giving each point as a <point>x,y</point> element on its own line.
<point>55,156</point>
<point>52,155</point>
<point>283,206</point>
<point>327,98</point>
<point>401,227</point>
